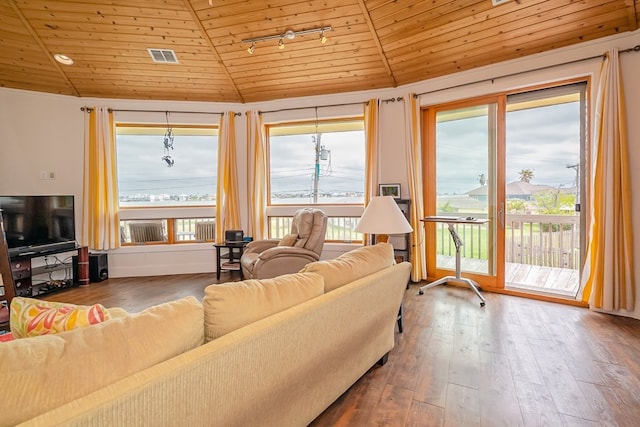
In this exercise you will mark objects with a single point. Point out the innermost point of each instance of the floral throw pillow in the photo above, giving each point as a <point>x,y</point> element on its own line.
<point>31,317</point>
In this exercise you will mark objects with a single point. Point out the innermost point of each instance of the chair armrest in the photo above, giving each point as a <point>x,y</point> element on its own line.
<point>261,245</point>
<point>287,251</point>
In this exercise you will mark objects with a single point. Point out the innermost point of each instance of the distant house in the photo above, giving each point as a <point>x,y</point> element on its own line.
<point>515,190</point>
<point>460,203</point>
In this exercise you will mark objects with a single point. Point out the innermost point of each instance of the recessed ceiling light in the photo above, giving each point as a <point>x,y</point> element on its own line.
<point>63,59</point>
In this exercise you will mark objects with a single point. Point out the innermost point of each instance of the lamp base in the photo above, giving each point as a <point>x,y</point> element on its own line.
<point>382,238</point>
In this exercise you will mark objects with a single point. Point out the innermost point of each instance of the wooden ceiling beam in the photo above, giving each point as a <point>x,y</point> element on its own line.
<point>198,23</point>
<point>376,39</point>
<point>42,46</point>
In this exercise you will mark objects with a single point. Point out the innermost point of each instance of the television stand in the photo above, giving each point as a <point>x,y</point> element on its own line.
<point>40,273</point>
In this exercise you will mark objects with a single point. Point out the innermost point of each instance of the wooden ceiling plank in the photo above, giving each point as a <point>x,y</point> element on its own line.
<point>632,14</point>
<point>491,34</point>
<point>429,27</point>
<point>42,46</point>
<point>194,14</point>
<point>229,32</point>
<point>436,67</point>
<point>514,38</point>
<point>370,61</point>
<point>76,30</point>
<point>489,28</point>
<point>152,4</point>
<point>252,12</point>
<point>376,40</point>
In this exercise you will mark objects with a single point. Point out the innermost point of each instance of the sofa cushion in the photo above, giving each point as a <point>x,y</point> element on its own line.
<point>32,317</point>
<point>230,306</point>
<point>47,371</point>
<point>288,240</point>
<point>352,265</point>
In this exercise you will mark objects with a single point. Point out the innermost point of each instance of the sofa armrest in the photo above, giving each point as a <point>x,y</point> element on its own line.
<point>287,251</point>
<point>261,245</point>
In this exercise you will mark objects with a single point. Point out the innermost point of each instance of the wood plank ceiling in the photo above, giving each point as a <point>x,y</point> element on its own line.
<point>374,43</point>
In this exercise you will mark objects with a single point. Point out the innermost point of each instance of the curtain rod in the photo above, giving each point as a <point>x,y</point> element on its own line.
<point>113,110</point>
<point>386,101</point>
<point>317,106</point>
<point>632,49</point>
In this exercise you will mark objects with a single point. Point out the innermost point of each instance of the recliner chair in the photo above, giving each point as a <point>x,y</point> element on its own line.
<point>263,259</point>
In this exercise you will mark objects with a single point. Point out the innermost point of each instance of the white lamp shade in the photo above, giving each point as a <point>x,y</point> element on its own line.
<point>383,216</point>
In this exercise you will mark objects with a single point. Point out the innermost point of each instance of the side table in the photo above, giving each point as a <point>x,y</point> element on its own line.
<point>231,256</point>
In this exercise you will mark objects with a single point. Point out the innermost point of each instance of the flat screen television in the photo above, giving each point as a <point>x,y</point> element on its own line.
<point>38,224</point>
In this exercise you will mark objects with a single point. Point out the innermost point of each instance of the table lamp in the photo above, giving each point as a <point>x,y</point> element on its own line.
<point>382,217</point>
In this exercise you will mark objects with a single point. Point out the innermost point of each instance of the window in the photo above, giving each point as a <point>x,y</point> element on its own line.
<point>317,163</point>
<point>162,203</point>
<point>145,179</point>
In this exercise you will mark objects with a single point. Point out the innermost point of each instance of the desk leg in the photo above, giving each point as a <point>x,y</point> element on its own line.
<point>443,281</point>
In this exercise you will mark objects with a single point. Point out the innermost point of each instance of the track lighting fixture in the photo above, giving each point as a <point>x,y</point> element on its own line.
<point>290,35</point>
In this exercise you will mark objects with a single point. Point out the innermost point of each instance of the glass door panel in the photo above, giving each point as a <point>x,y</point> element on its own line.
<point>465,181</point>
<point>545,133</point>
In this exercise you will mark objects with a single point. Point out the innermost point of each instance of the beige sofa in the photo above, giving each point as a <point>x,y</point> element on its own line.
<point>279,352</point>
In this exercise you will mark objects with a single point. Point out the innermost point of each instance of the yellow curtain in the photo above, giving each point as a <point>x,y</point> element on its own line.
<point>609,274</point>
<point>372,136</point>
<point>256,176</point>
<point>414,178</point>
<point>227,205</point>
<point>100,221</point>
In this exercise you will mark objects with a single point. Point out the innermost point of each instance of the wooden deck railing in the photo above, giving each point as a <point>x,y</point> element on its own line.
<point>339,229</point>
<point>544,240</point>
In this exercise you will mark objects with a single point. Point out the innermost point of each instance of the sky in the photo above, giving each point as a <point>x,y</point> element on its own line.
<point>543,140</point>
<point>292,161</point>
<point>141,168</point>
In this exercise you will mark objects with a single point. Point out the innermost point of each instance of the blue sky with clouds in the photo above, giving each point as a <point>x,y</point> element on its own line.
<point>544,140</point>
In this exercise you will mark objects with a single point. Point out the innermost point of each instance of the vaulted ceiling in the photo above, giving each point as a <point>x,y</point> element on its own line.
<point>373,43</point>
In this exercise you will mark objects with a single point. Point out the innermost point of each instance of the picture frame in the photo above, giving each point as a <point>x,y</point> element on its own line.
<point>390,190</point>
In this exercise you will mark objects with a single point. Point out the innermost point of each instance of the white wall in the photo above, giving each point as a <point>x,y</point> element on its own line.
<point>44,132</point>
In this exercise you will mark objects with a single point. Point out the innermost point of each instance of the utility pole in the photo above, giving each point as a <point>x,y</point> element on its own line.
<point>316,175</point>
<point>576,167</point>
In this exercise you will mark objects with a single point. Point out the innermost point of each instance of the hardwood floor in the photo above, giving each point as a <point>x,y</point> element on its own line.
<point>515,362</point>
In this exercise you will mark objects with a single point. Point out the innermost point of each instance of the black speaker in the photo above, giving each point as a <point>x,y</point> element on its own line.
<point>98,268</point>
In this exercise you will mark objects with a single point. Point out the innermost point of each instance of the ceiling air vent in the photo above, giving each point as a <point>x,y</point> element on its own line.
<point>165,56</point>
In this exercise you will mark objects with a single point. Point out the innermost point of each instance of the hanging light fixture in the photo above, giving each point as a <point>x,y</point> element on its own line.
<point>168,143</point>
<point>289,34</point>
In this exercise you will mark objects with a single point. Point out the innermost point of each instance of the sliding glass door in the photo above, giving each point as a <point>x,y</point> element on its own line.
<point>545,134</point>
<point>516,160</point>
<point>463,164</point>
